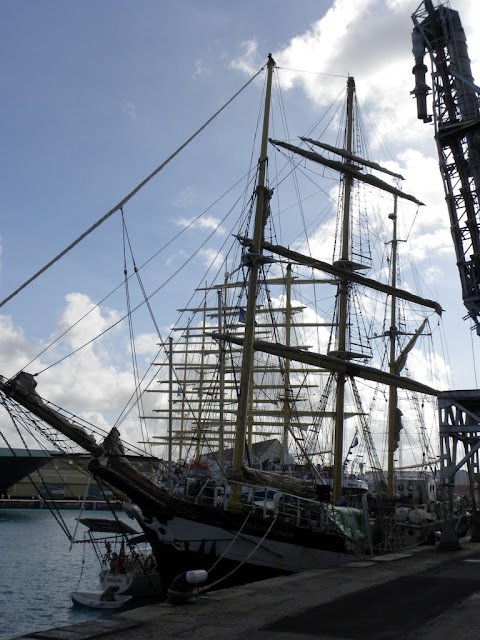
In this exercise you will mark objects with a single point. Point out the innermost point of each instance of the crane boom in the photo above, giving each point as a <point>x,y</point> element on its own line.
<point>439,32</point>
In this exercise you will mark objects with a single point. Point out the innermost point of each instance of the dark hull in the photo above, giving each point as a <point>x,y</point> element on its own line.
<point>185,535</point>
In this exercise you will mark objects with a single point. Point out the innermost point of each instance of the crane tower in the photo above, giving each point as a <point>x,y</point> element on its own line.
<point>438,32</point>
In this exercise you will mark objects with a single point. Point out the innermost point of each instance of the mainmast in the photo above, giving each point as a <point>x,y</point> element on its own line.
<point>254,255</point>
<point>343,304</point>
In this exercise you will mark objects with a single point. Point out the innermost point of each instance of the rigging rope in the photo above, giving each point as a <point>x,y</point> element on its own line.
<point>119,206</point>
<point>140,304</point>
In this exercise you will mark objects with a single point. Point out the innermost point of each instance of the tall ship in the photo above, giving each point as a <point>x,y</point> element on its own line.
<point>291,432</point>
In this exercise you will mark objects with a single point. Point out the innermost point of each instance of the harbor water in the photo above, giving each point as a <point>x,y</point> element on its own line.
<point>39,572</point>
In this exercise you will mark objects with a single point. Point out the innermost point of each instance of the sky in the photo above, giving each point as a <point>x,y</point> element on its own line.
<point>96,95</point>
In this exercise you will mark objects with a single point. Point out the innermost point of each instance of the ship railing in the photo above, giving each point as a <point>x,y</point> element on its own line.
<point>290,508</point>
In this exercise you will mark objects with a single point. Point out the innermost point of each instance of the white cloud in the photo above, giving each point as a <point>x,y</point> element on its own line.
<point>434,274</point>
<point>212,257</point>
<point>321,49</point>
<point>430,369</point>
<point>95,383</point>
<point>249,62</point>
<point>370,40</point>
<point>438,243</point>
<point>205,222</point>
<point>130,109</point>
<point>321,243</point>
<point>95,321</point>
<point>200,69</point>
<point>185,197</point>
<point>146,344</point>
<point>15,349</point>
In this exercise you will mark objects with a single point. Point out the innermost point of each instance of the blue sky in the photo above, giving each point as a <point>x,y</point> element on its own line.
<point>95,95</point>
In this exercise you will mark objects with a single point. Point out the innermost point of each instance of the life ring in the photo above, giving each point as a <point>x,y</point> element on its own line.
<point>149,563</point>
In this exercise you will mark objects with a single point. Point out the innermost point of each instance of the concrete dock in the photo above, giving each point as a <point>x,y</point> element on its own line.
<point>422,594</point>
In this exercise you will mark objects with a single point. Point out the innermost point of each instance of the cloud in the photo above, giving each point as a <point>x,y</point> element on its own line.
<point>130,109</point>
<point>200,69</point>
<point>323,50</point>
<point>430,369</point>
<point>96,382</point>
<point>96,320</point>
<point>185,197</point>
<point>212,257</point>
<point>249,61</point>
<point>15,349</point>
<point>205,222</point>
<point>439,243</point>
<point>370,40</point>
<point>434,274</point>
<point>146,344</point>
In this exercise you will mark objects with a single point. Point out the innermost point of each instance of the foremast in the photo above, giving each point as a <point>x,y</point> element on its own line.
<point>263,196</point>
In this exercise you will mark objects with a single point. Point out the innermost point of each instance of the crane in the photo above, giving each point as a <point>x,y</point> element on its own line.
<point>456,118</point>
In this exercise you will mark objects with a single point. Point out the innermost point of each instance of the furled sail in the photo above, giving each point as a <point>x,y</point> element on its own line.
<point>344,273</point>
<point>350,156</point>
<point>347,169</point>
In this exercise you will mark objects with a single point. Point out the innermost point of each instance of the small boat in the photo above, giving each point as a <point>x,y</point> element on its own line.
<point>93,599</point>
<point>133,570</point>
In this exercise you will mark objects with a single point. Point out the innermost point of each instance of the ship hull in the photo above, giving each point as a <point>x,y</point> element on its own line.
<point>249,547</point>
<point>278,551</point>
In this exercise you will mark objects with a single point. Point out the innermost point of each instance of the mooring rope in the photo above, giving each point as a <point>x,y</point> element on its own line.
<point>209,586</point>
<point>234,539</point>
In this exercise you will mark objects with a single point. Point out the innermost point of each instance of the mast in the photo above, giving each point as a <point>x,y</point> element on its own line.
<point>170,404</point>
<point>183,395</point>
<point>287,392</point>
<point>201,381</point>
<point>262,203</point>
<point>392,394</point>
<point>343,304</point>
<point>221,380</point>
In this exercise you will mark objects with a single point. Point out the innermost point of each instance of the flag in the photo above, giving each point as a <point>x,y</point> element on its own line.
<point>241,316</point>
<point>121,560</point>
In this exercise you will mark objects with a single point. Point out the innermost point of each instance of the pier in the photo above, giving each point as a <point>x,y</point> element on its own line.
<point>421,594</point>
